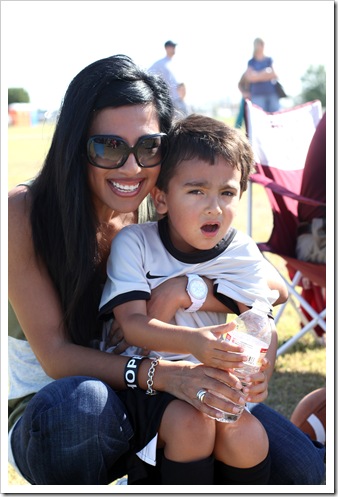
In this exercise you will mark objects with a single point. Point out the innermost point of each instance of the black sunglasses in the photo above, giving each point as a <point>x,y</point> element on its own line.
<point>111,152</point>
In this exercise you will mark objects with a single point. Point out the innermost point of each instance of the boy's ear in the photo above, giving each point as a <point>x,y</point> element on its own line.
<point>160,200</point>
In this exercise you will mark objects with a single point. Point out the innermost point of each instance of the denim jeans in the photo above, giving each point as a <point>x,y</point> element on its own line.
<point>295,459</point>
<point>75,432</point>
<point>269,103</point>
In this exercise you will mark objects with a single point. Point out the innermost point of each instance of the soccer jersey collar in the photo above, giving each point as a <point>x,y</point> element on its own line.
<point>199,255</point>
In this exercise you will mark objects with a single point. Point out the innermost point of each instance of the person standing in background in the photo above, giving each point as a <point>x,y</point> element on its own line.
<point>165,68</point>
<point>262,78</point>
<point>244,88</point>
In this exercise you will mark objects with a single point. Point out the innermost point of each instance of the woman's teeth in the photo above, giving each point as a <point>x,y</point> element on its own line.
<point>125,188</point>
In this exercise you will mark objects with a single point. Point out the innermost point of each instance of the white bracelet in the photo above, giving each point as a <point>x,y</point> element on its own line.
<point>150,380</point>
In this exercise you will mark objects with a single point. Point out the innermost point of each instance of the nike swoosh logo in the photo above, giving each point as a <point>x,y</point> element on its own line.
<point>152,277</point>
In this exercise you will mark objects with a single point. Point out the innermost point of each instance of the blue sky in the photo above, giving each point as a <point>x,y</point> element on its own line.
<point>45,44</point>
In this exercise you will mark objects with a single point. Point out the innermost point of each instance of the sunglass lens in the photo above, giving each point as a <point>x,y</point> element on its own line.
<point>107,152</point>
<point>150,150</point>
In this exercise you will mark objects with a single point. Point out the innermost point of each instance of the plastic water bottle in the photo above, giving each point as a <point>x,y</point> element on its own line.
<point>228,417</point>
<point>253,333</point>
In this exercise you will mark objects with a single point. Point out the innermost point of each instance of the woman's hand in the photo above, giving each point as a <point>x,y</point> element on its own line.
<point>183,380</point>
<point>257,389</point>
<point>116,338</point>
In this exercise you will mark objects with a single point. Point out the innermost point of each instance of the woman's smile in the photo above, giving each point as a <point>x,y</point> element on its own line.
<point>125,188</point>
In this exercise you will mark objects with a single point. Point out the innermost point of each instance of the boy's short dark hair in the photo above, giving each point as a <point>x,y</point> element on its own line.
<point>205,138</point>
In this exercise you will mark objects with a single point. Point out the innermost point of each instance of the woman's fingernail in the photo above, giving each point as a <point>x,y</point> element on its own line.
<point>219,414</point>
<point>236,410</point>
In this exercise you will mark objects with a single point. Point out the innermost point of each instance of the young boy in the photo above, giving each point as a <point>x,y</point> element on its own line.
<point>198,192</point>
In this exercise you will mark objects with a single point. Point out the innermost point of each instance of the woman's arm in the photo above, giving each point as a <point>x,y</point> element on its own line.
<point>37,306</point>
<point>266,74</point>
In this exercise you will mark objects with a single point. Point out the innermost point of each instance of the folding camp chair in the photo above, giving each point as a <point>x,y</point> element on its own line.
<point>280,142</point>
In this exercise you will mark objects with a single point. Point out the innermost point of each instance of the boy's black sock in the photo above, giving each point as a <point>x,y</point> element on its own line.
<point>229,475</point>
<point>188,473</point>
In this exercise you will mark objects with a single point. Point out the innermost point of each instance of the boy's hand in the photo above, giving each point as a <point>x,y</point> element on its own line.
<point>208,347</point>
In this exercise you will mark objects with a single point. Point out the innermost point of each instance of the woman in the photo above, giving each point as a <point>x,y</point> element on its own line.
<point>67,424</point>
<point>261,76</point>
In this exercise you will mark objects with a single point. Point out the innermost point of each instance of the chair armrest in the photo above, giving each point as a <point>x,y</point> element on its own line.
<point>281,190</point>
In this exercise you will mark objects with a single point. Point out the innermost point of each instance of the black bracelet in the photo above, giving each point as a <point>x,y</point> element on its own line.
<point>131,369</point>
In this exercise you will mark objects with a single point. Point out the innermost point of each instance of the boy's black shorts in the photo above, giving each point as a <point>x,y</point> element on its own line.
<point>145,415</point>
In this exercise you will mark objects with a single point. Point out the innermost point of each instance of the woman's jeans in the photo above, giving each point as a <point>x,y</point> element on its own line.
<point>75,432</point>
<point>269,103</point>
<point>295,458</point>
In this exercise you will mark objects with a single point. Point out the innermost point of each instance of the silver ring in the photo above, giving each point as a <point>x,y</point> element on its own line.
<point>201,394</point>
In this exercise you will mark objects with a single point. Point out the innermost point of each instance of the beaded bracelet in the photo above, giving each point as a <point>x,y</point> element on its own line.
<point>131,369</point>
<point>150,380</point>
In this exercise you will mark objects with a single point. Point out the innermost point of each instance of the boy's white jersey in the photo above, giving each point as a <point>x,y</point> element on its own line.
<point>142,257</point>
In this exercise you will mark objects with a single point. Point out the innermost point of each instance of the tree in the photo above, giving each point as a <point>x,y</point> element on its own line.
<point>314,85</point>
<point>17,95</point>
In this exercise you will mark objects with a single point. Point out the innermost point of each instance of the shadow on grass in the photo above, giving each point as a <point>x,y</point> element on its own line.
<point>301,346</point>
<point>286,389</point>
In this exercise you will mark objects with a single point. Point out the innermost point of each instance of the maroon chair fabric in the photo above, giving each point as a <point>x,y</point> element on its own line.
<point>293,189</point>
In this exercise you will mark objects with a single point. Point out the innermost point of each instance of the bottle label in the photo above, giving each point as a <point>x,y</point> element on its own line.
<point>254,348</point>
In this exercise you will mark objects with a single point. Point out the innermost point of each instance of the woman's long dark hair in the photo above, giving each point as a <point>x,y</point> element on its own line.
<point>63,220</point>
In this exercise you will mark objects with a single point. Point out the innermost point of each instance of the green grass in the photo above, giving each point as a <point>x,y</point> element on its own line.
<point>297,372</point>
<point>27,148</point>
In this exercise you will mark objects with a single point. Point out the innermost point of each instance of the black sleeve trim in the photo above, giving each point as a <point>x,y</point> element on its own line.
<point>227,301</point>
<point>106,312</point>
<point>231,304</point>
